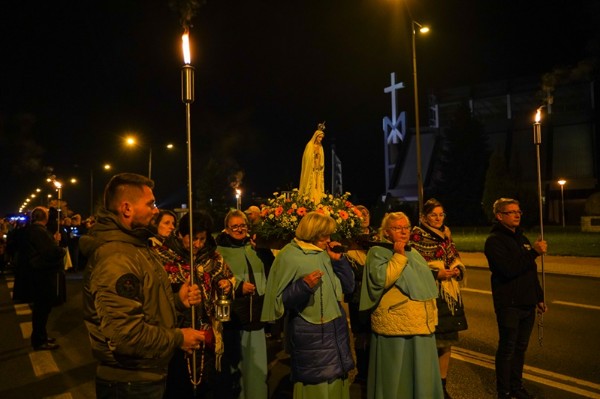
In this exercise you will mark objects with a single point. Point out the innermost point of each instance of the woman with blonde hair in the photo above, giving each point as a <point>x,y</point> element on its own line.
<point>399,291</point>
<point>308,280</point>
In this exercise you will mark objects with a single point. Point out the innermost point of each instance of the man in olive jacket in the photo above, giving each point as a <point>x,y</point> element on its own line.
<point>129,307</point>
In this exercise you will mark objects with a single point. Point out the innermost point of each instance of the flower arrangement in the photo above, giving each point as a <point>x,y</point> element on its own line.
<point>283,212</point>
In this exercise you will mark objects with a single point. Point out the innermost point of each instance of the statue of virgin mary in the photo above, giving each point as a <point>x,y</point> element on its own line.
<point>312,176</point>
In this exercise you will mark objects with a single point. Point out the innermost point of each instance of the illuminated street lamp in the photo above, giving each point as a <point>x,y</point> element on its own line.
<point>562,183</point>
<point>422,29</point>
<point>105,167</point>
<point>131,141</point>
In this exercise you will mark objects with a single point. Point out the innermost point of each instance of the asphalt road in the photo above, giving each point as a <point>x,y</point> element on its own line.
<point>565,367</point>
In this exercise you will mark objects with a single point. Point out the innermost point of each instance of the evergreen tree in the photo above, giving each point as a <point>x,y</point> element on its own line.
<point>498,183</point>
<point>459,174</point>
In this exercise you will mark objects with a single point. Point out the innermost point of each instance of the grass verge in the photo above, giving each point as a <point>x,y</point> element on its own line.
<point>568,241</point>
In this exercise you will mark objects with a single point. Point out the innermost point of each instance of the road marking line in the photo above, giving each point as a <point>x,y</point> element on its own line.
<point>22,309</point>
<point>43,363</point>
<point>530,373</point>
<point>564,303</point>
<point>578,305</point>
<point>26,329</point>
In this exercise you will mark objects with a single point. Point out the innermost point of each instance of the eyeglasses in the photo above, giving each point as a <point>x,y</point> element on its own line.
<point>238,227</point>
<point>437,215</point>
<point>513,213</point>
<point>399,228</point>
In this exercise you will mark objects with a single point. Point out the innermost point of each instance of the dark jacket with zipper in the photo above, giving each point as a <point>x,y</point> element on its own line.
<point>511,259</point>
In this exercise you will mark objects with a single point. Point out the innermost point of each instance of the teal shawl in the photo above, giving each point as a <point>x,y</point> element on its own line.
<point>293,262</point>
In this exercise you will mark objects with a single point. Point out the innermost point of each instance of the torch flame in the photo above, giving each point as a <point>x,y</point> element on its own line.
<point>538,115</point>
<point>185,39</point>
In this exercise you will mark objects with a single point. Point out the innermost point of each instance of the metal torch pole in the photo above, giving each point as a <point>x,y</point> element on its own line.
<point>187,96</point>
<point>537,140</point>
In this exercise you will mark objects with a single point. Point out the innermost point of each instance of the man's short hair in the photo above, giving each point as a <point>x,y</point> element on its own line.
<point>119,186</point>
<point>39,214</point>
<point>500,203</point>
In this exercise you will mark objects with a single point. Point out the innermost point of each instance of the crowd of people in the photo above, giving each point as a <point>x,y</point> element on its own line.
<point>175,309</point>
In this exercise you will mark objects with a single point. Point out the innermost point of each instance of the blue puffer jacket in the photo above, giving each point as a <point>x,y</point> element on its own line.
<point>319,352</point>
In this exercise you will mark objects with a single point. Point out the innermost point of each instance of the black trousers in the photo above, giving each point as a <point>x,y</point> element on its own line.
<point>514,329</point>
<point>39,318</point>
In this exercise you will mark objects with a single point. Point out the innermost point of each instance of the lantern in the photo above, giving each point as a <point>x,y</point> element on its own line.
<point>223,308</point>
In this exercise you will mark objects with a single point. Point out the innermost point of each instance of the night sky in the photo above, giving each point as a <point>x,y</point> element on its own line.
<point>77,76</point>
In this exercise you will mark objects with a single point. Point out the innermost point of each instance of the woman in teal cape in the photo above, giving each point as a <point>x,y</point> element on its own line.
<point>308,280</point>
<point>399,292</point>
<point>245,343</point>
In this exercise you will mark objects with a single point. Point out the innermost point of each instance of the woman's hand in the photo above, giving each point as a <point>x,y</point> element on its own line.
<point>248,288</point>
<point>225,286</point>
<point>332,253</point>
<point>190,294</point>
<point>445,274</point>
<point>312,279</point>
<point>399,247</point>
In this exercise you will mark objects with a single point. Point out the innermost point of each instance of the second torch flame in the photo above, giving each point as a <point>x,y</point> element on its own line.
<point>185,42</point>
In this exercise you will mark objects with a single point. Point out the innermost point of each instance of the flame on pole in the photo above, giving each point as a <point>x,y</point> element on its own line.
<point>537,140</point>
<point>187,96</point>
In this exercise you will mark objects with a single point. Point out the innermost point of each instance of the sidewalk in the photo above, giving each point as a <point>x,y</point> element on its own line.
<point>568,265</point>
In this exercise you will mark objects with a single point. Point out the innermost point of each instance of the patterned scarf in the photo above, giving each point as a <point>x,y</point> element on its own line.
<point>210,268</point>
<point>438,249</point>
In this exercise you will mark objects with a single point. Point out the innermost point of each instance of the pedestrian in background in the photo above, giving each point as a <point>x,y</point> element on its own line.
<point>516,292</point>
<point>43,258</point>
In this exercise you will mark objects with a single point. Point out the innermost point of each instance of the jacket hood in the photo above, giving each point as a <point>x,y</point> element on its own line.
<point>108,228</point>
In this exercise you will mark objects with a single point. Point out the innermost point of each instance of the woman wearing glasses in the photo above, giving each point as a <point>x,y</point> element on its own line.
<point>245,342</point>
<point>399,291</point>
<point>432,239</point>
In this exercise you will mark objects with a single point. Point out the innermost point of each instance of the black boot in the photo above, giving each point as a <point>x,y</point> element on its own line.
<point>446,394</point>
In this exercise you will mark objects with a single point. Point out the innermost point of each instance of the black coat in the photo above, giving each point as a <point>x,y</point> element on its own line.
<point>42,263</point>
<point>511,259</point>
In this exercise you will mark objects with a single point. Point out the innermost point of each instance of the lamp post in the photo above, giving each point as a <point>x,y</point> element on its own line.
<point>131,141</point>
<point>562,183</point>
<point>422,29</point>
<point>105,167</point>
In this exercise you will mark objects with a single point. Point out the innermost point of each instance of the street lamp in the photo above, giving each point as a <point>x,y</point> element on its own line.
<point>422,29</point>
<point>562,183</point>
<point>105,167</point>
<point>131,141</point>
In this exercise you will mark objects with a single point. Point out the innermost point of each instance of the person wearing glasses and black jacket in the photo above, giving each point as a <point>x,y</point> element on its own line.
<point>516,292</point>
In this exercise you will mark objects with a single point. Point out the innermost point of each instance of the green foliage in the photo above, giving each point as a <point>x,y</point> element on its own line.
<point>498,183</point>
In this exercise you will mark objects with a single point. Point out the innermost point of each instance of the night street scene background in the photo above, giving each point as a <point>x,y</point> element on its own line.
<point>77,77</point>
